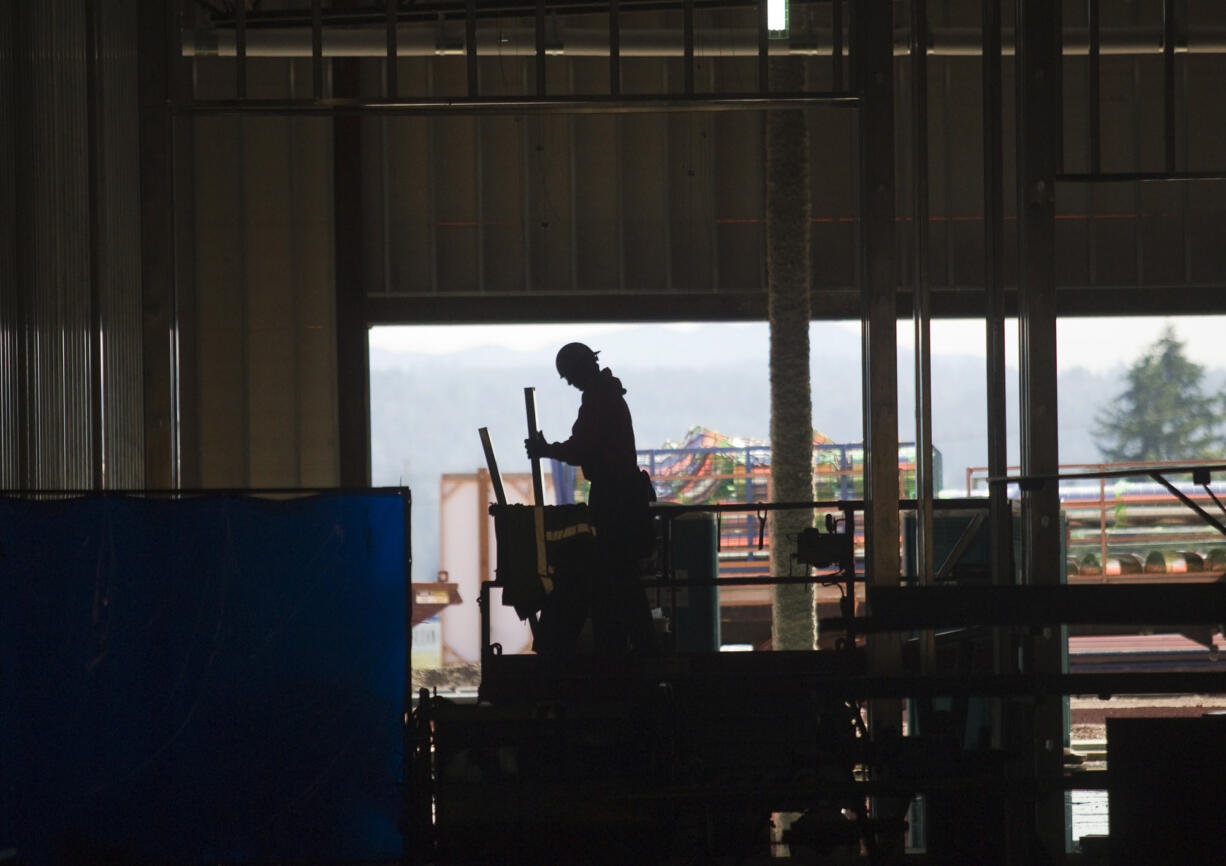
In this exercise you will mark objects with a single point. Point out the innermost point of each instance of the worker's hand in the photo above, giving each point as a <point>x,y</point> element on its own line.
<point>536,446</point>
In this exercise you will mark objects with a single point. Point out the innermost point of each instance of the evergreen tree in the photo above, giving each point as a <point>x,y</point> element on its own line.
<point>1162,414</point>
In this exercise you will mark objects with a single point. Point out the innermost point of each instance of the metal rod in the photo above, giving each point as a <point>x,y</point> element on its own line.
<point>538,488</point>
<point>491,463</point>
<point>192,492</point>
<point>964,540</point>
<point>459,106</point>
<point>921,313</point>
<point>470,45</point>
<point>1168,81</point>
<point>922,300</point>
<point>1175,469</point>
<point>1213,496</point>
<point>392,78</point>
<point>993,241</point>
<point>1095,84</point>
<point>1186,500</point>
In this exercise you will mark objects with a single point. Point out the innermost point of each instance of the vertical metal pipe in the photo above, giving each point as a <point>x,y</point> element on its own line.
<point>391,19</point>
<point>993,243</point>
<point>540,47</point>
<point>240,49</point>
<point>615,60</point>
<point>470,46</point>
<point>922,302</point>
<point>317,49</point>
<point>1168,82</point>
<point>687,35</point>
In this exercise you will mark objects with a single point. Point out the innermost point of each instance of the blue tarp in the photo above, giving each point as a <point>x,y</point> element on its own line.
<point>201,680</point>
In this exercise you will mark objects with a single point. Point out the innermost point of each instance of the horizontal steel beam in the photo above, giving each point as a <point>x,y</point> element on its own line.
<point>1141,177</point>
<point>828,304</point>
<point>435,39</point>
<point>484,106</point>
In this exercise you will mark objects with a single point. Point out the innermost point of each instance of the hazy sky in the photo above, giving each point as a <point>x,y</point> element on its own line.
<point>1095,344</point>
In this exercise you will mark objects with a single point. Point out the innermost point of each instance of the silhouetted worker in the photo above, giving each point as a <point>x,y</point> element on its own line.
<point>602,444</point>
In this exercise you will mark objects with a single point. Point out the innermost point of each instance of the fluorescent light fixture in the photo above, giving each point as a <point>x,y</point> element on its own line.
<point>777,16</point>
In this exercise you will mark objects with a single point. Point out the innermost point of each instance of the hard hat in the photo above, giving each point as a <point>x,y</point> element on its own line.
<point>574,357</point>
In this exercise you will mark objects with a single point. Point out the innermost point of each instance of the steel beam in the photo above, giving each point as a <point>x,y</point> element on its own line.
<point>873,56</point>
<point>1038,104</point>
<point>520,105</point>
<point>352,335</point>
<point>878,281</point>
<point>157,26</point>
<point>292,38</point>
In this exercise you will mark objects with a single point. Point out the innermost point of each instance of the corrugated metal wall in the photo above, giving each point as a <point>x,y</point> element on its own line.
<point>67,308</point>
<point>265,346</point>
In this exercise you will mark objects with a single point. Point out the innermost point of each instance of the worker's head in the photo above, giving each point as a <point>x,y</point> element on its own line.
<point>577,364</point>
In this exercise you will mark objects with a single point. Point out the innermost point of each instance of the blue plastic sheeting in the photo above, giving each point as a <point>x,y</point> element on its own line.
<point>203,680</point>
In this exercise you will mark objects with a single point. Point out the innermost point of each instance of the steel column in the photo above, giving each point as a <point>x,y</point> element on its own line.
<point>352,335</point>
<point>878,281</point>
<point>1038,102</point>
<point>922,301</point>
<point>873,56</point>
<point>157,27</point>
